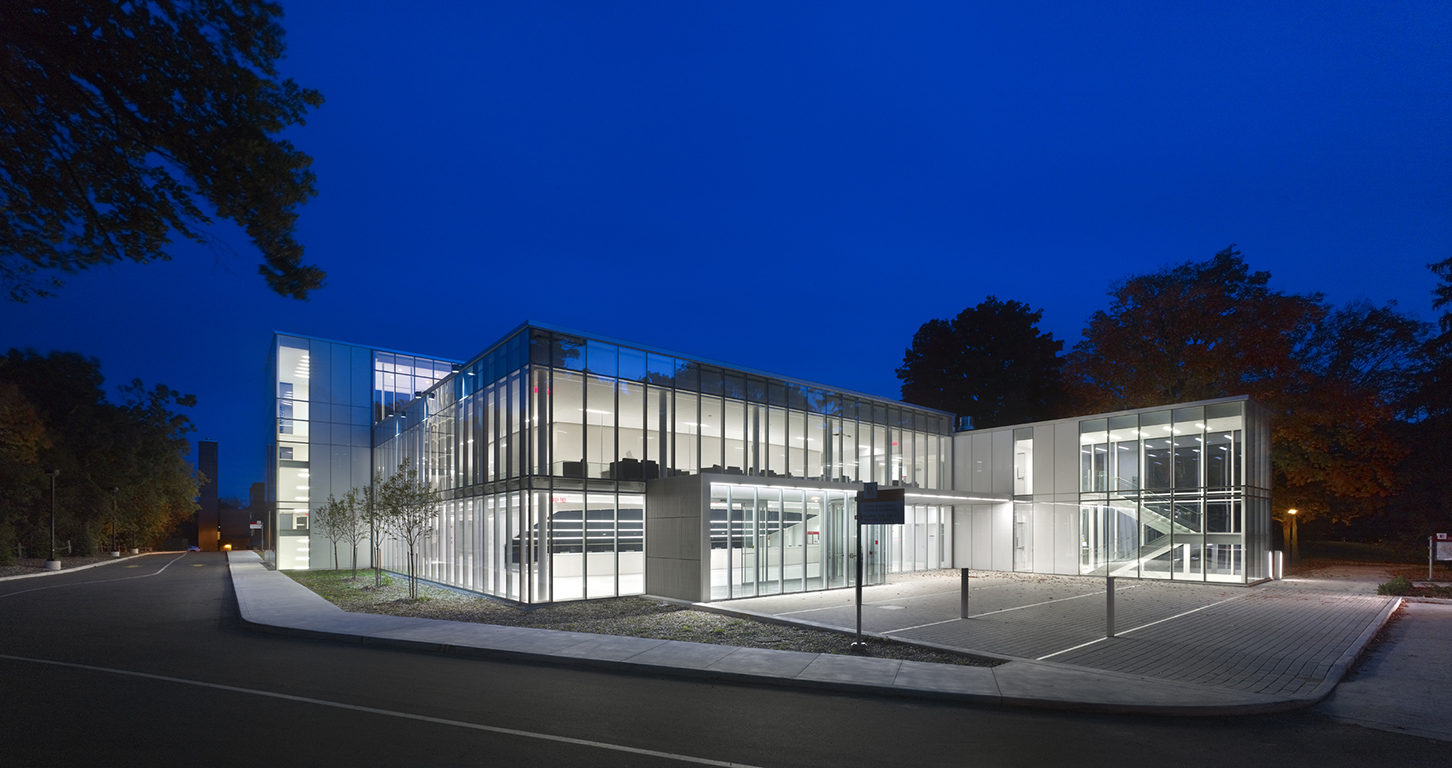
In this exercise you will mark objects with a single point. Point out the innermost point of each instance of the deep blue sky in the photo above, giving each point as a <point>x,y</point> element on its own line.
<point>795,187</point>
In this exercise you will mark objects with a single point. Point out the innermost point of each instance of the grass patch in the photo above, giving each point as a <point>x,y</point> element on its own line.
<point>1398,586</point>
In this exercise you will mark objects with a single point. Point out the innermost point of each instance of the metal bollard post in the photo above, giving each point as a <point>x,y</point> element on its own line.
<point>963,598</point>
<point>1109,606</point>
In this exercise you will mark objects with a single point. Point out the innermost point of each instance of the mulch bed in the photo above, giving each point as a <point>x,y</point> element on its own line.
<point>625,616</point>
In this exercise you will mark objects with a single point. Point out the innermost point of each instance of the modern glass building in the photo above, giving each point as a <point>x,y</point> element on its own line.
<point>1178,492</point>
<point>324,397</point>
<point>575,466</point>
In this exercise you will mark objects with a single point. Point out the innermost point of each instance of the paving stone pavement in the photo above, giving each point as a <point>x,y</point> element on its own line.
<point>1268,642</point>
<point>1277,638</point>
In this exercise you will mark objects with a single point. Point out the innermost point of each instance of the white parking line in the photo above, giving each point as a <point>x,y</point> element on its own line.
<point>389,713</point>
<point>1143,626</point>
<point>1001,610</point>
<point>94,581</point>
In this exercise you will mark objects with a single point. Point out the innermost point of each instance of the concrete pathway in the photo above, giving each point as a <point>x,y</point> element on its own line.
<point>1404,685</point>
<point>271,601</point>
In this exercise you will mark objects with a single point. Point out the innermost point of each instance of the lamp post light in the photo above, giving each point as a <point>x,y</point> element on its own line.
<point>114,551</point>
<point>1295,537</point>
<point>52,564</point>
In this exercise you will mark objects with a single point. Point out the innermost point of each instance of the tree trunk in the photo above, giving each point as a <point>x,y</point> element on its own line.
<point>1295,540</point>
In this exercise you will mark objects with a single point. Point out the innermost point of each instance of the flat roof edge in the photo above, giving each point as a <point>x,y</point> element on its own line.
<point>1125,412</point>
<point>373,347</point>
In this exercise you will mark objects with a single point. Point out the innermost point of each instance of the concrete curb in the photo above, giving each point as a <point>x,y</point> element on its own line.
<point>81,567</point>
<point>1019,683</point>
<point>1338,669</point>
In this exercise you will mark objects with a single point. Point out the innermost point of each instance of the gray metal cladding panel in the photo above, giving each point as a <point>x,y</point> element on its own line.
<point>1044,537</point>
<point>962,461</point>
<point>360,468</point>
<point>320,372</point>
<point>982,463</point>
<point>680,579</point>
<point>962,537</point>
<point>982,542</point>
<point>1044,480</point>
<point>1066,458</point>
<point>1003,537</point>
<point>674,497</point>
<point>1066,539</point>
<point>362,390</point>
<point>342,480</point>
<point>340,365</point>
<point>1003,461</point>
<point>320,472</point>
<point>674,538</point>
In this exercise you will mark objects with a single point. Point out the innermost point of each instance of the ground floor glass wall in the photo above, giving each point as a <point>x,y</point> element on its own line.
<point>535,546</point>
<point>767,540</point>
<point>1194,536</point>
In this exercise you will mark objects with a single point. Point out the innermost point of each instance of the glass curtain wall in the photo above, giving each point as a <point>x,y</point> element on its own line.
<point>543,444</point>
<point>618,413</point>
<point>1164,494</point>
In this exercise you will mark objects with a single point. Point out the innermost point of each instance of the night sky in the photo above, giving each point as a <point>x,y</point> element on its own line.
<point>794,187</point>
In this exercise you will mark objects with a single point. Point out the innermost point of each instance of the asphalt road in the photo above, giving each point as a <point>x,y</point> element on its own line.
<point>147,662</point>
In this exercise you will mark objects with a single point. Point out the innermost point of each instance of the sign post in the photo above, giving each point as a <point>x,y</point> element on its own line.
<point>1438,548</point>
<point>874,507</point>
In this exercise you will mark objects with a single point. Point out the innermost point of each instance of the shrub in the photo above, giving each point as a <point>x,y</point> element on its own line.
<point>1397,586</point>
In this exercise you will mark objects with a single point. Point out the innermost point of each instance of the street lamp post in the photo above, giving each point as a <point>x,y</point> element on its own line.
<point>52,564</point>
<point>114,551</point>
<point>1295,538</point>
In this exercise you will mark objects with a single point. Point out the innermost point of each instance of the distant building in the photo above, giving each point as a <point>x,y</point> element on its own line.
<point>575,466</point>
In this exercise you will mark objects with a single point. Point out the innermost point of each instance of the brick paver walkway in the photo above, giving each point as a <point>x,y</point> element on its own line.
<point>1273,639</point>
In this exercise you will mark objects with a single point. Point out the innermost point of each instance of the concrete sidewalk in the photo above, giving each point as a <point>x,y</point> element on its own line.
<point>270,601</point>
<point>1405,683</point>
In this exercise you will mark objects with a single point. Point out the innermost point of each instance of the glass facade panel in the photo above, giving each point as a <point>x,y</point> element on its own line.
<point>524,441</point>
<point>1189,518</point>
<point>568,411</point>
<point>711,417</point>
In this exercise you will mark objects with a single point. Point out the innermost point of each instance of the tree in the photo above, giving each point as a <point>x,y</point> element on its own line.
<point>120,121</point>
<point>139,446</point>
<point>22,437</point>
<point>1331,378</point>
<point>353,524</point>
<point>1425,502</point>
<point>328,520</point>
<point>410,506</point>
<point>1195,331</point>
<point>990,362</point>
<point>373,514</point>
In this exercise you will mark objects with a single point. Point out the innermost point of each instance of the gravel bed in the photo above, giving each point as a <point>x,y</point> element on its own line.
<point>26,565</point>
<point>625,616</point>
